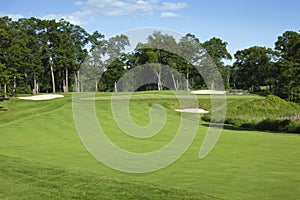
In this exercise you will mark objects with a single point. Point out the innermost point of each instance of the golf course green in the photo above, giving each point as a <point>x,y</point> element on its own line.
<point>42,156</point>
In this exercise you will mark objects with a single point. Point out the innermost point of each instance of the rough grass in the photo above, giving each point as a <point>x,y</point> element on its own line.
<point>259,109</point>
<point>42,157</point>
<point>248,110</point>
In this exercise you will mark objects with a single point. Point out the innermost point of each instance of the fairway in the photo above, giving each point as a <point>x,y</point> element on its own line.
<point>42,156</point>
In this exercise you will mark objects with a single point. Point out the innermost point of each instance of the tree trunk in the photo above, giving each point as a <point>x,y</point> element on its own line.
<point>60,85</point>
<point>53,80</point>
<point>175,82</point>
<point>64,85</point>
<point>234,81</point>
<point>76,86</point>
<point>115,87</point>
<point>15,86</point>
<point>270,86</point>
<point>159,83</point>
<point>4,88</point>
<point>212,86</point>
<point>227,79</point>
<point>96,86</point>
<point>34,91</point>
<point>75,82</point>
<point>67,82</point>
<point>187,82</point>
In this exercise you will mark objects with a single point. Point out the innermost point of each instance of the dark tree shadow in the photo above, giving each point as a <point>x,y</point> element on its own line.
<point>2,108</point>
<point>225,126</point>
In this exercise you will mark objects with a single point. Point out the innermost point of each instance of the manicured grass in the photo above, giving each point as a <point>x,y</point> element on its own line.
<point>21,179</point>
<point>42,157</point>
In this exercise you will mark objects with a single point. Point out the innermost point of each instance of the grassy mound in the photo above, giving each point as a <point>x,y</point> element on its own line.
<point>262,114</point>
<point>15,108</point>
<point>259,109</point>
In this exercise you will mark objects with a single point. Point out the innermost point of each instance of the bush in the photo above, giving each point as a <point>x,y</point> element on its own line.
<point>275,125</point>
<point>292,127</point>
<point>268,124</point>
<point>236,121</point>
<point>248,125</point>
<point>279,125</point>
<point>206,117</point>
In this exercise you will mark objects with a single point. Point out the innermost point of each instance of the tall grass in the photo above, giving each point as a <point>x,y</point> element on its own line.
<point>248,112</point>
<point>260,109</point>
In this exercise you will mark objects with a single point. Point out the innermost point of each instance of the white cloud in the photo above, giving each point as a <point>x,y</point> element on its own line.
<point>14,17</point>
<point>118,7</point>
<point>91,8</point>
<point>130,7</point>
<point>168,14</point>
<point>173,6</point>
<point>78,3</point>
<point>75,18</point>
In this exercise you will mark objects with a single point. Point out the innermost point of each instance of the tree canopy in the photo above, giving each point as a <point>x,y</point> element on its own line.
<point>46,56</point>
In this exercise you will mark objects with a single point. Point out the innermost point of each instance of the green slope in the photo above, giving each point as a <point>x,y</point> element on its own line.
<point>42,157</point>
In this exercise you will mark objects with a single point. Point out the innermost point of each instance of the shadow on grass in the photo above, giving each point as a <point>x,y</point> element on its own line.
<point>226,126</point>
<point>234,128</point>
<point>2,108</point>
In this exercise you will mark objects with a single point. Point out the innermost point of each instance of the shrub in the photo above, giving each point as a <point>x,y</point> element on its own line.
<point>268,124</point>
<point>248,125</point>
<point>279,125</point>
<point>206,117</point>
<point>292,127</point>
<point>236,121</point>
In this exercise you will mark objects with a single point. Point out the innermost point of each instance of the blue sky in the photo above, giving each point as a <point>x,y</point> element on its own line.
<point>241,23</point>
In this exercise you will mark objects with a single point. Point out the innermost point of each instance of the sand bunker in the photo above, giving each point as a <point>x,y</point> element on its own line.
<point>42,97</point>
<point>192,110</point>
<point>218,92</point>
<point>208,92</point>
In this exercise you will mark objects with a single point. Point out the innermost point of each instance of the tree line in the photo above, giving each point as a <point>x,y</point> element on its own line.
<point>46,56</point>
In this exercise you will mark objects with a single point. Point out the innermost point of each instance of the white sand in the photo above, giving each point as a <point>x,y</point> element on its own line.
<point>42,97</point>
<point>208,92</point>
<point>192,110</point>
